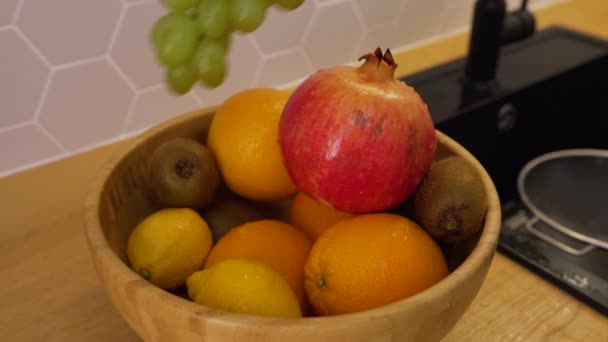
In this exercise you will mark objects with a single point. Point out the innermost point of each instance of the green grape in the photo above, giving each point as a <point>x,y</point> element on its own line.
<point>181,5</point>
<point>223,42</point>
<point>214,17</point>
<point>209,61</point>
<point>289,4</point>
<point>174,37</point>
<point>181,78</point>
<point>248,15</point>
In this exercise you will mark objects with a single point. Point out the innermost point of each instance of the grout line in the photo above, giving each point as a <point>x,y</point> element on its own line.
<point>17,12</point>
<point>136,3</point>
<point>401,9</point>
<point>43,95</point>
<point>78,63</point>
<point>281,52</point>
<point>400,49</point>
<point>358,46</point>
<point>263,58</point>
<point>32,165</point>
<point>16,126</point>
<point>255,45</point>
<point>195,98</point>
<point>309,64</point>
<point>121,73</point>
<point>149,88</point>
<point>31,45</point>
<point>51,137</point>
<point>359,15</point>
<point>445,12</point>
<point>6,27</point>
<point>66,155</point>
<point>127,135</point>
<point>308,27</point>
<point>119,23</point>
<point>328,3</point>
<point>127,120</point>
<point>255,80</point>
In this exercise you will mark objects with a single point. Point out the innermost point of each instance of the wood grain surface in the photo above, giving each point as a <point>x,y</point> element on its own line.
<point>50,291</point>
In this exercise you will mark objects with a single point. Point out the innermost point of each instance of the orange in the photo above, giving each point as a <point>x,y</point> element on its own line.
<point>278,244</point>
<point>243,138</point>
<point>371,260</point>
<point>313,217</point>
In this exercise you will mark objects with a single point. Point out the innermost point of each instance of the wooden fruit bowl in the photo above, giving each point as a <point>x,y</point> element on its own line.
<point>118,200</point>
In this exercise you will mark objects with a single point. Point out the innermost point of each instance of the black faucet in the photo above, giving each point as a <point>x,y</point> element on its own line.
<point>492,27</point>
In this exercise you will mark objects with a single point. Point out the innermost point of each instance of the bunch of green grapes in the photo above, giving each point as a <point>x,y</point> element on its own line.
<point>193,39</point>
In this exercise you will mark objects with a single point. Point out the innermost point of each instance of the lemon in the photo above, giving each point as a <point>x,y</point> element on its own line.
<point>246,286</point>
<point>168,246</point>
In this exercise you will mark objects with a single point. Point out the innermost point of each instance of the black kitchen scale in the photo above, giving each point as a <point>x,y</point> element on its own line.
<point>550,95</point>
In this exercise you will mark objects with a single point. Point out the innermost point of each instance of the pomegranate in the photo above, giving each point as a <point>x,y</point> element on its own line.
<point>356,138</point>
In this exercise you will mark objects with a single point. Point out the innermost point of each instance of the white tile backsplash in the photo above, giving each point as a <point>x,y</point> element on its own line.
<point>24,145</point>
<point>85,104</point>
<point>68,30</point>
<point>78,74</point>
<point>7,10</point>
<point>334,35</point>
<point>27,74</point>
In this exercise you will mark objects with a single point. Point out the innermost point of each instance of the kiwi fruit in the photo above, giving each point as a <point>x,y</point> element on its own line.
<point>183,173</point>
<point>451,204</point>
<point>229,212</point>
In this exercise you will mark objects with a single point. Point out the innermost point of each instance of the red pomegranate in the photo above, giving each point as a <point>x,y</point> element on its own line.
<point>356,138</point>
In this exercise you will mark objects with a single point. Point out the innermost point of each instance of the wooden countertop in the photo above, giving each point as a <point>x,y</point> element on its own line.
<point>50,291</point>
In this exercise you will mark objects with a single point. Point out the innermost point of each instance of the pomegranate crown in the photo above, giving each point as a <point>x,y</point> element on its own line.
<point>379,65</point>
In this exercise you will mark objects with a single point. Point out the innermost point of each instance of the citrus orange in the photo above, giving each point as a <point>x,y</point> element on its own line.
<point>278,244</point>
<point>313,217</point>
<point>371,260</point>
<point>243,137</point>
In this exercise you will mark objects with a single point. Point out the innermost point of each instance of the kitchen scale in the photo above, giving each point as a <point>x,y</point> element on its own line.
<point>559,226</point>
<point>550,96</point>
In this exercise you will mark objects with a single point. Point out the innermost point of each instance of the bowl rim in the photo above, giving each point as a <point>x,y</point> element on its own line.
<point>102,253</point>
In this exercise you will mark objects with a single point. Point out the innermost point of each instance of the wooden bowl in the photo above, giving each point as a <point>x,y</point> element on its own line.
<point>118,201</point>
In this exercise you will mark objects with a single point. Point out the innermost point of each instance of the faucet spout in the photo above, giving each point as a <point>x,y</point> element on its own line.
<point>485,41</point>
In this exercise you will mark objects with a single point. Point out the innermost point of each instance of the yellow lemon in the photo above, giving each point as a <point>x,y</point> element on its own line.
<point>168,246</point>
<point>246,286</point>
<point>243,137</point>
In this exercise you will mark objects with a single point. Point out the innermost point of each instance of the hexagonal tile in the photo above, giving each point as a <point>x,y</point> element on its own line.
<point>67,30</point>
<point>375,13</point>
<point>384,36</point>
<point>419,19</point>
<point>133,50</point>
<point>86,104</point>
<point>23,76</point>
<point>157,105</point>
<point>7,10</point>
<point>334,36</point>
<point>284,67</point>
<point>242,63</point>
<point>283,29</point>
<point>456,15</point>
<point>24,145</point>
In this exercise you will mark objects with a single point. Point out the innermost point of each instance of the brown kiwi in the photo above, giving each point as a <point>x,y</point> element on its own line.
<point>229,212</point>
<point>183,174</point>
<point>451,204</point>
